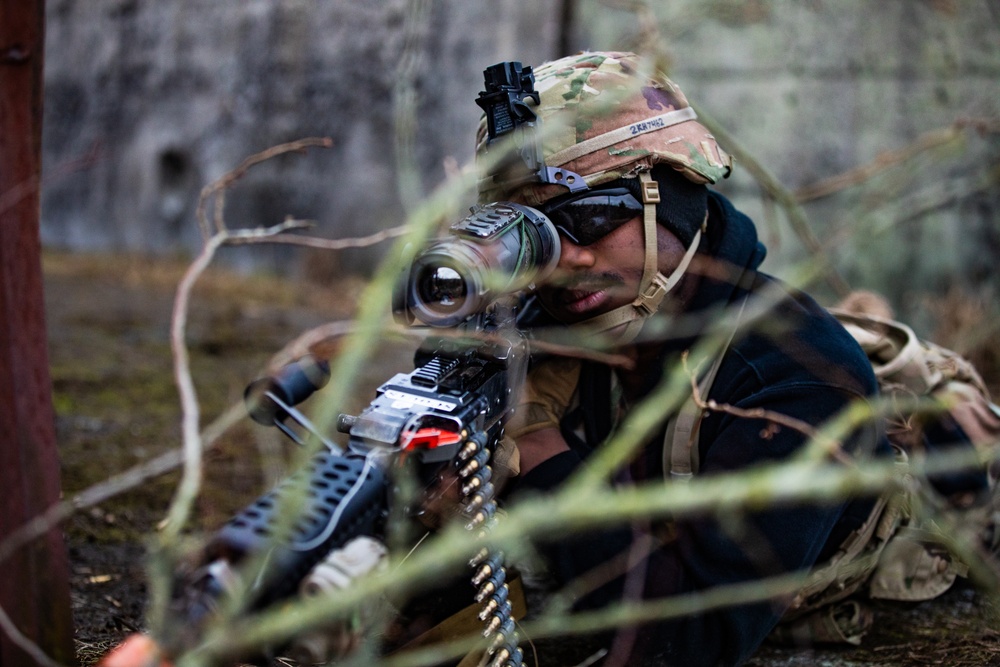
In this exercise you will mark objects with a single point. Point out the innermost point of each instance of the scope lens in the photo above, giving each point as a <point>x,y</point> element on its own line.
<point>441,288</point>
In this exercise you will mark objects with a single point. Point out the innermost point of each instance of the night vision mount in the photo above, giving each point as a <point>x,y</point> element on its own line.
<point>509,89</point>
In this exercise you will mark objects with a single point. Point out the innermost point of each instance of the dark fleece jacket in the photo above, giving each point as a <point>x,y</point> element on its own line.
<point>796,361</point>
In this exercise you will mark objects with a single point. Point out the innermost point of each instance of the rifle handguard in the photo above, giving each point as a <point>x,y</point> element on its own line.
<point>343,497</point>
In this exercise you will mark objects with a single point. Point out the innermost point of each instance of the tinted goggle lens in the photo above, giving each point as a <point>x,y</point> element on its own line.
<point>588,217</point>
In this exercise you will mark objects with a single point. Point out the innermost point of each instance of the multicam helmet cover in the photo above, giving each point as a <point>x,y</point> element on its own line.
<point>606,116</point>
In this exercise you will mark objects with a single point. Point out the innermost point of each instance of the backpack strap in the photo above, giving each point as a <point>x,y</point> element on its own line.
<point>855,560</point>
<point>680,453</point>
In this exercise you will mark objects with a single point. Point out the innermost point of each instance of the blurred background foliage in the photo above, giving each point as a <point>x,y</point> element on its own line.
<point>877,123</point>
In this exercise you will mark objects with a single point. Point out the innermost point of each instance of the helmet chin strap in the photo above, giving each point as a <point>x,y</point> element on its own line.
<point>624,323</point>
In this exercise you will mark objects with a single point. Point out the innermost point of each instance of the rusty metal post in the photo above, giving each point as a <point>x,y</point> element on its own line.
<point>34,582</point>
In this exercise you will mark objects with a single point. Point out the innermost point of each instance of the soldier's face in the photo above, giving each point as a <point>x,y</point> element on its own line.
<point>594,279</point>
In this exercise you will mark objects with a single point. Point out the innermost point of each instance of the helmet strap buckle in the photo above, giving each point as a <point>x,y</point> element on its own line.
<point>650,191</point>
<point>649,299</point>
<point>653,286</point>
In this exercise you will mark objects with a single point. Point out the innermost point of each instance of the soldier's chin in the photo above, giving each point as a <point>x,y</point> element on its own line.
<point>616,336</point>
<point>606,340</point>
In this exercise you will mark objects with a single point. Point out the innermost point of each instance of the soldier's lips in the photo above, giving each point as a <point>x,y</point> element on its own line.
<point>579,301</point>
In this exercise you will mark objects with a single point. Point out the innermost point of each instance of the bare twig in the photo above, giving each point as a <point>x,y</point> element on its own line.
<point>29,186</point>
<point>320,342</point>
<point>28,646</point>
<point>594,658</point>
<point>882,162</point>
<point>829,445</point>
<point>568,510</point>
<point>797,217</point>
<point>192,445</point>
<point>341,244</point>
<point>219,186</point>
<point>886,160</point>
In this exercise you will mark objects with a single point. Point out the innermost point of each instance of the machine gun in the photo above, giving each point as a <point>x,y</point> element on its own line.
<point>447,415</point>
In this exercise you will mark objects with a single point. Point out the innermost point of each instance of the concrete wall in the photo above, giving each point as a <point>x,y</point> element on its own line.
<point>814,89</point>
<point>148,100</point>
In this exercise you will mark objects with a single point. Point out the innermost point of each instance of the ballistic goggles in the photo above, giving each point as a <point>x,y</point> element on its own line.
<point>587,217</point>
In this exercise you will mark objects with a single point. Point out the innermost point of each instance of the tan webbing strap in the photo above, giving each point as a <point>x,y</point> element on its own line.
<point>650,198</point>
<point>653,286</point>
<point>856,557</point>
<point>632,315</point>
<point>621,134</point>
<point>847,564</point>
<point>680,453</point>
<point>650,265</point>
<point>647,302</point>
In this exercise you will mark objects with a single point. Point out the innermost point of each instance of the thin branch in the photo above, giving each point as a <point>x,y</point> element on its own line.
<point>190,413</point>
<point>829,445</point>
<point>323,341</point>
<point>341,244</point>
<point>592,660</point>
<point>29,186</point>
<point>320,342</point>
<point>943,193</point>
<point>888,159</point>
<point>219,186</point>
<point>567,510</point>
<point>882,162</point>
<point>191,443</point>
<point>28,646</point>
<point>797,217</point>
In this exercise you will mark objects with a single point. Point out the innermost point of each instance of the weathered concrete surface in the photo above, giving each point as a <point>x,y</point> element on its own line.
<point>159,97</point>
<point>815,89</point>
<point>149,100</point>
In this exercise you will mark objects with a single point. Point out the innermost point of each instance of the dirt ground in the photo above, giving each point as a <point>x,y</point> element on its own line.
<point>116,405</point>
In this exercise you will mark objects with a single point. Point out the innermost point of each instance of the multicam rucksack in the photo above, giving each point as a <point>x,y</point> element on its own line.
<point>898,553</point>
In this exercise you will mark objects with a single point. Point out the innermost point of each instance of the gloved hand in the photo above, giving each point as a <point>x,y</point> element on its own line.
<point>532,433</point>
<point>548,392</point>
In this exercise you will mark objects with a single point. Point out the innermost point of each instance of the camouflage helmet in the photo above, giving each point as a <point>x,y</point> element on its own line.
<point>604,117</point>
